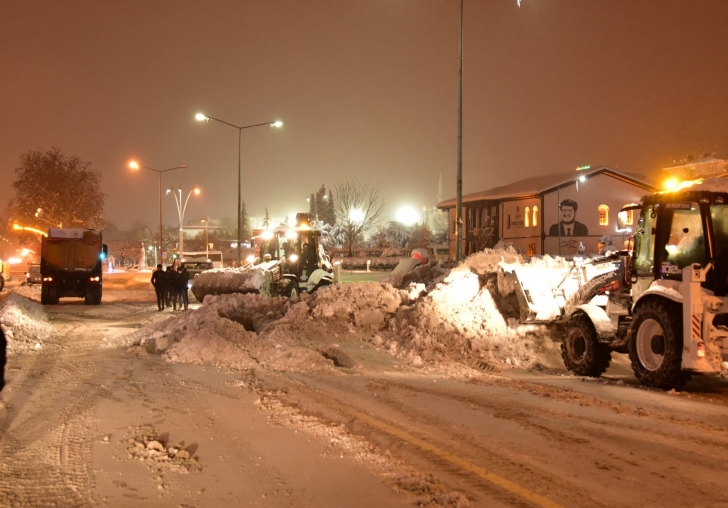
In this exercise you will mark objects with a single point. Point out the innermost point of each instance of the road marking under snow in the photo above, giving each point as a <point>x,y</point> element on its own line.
<point>477,470</point>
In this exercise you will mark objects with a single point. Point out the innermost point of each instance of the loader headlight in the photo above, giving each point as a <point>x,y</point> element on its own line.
<point>293,258</point>
<point>250,259</point>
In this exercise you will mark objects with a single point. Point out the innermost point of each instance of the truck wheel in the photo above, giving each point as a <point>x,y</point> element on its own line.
<point>655,345</point>
<point>96,296</point>
<point>583,354</point>
<point>45,298</point>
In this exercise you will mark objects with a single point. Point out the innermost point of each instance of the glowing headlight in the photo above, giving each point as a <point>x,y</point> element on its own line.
<point>250,259</point>
<point>293,258</point>
<point>291,234</point>
<point>267,235</point>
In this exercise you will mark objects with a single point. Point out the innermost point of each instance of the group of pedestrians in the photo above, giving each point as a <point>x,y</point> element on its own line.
<point>171,287</point>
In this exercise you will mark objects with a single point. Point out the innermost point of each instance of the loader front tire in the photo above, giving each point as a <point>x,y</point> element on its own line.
<point>583,354</point>
<point>656,343</point>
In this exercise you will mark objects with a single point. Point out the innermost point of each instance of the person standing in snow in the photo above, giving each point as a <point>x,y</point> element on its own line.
<point>3,358</point>
<point>180,287</point>
<point>168,285</point>
<point>159,283</point>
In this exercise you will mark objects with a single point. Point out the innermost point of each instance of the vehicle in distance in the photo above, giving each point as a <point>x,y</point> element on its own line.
<point>33,275</point>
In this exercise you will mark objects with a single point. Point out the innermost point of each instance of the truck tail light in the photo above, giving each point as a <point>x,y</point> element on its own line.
<point>48,279</point>
<point>95,279</point>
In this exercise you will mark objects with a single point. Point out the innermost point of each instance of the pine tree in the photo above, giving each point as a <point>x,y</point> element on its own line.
<point>266,219</point>
<point>245,233</point>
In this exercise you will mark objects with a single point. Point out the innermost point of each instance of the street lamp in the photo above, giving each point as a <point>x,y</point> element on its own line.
<point>135,166</point>
<point>276,124</point>
<point>181,213</point>
<point>459,209</point>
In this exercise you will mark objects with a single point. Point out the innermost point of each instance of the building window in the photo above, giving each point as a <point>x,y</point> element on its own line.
<point>527,217</point>
<point>603,215</point>
<point>630,218</point>
<point>531,250</point>
<point>535,216</point>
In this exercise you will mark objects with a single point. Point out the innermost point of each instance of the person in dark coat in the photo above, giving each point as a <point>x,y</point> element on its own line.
<point>3,358</point>
<point>159,281</point>
<point>168,285</point>
<point>180,287</point>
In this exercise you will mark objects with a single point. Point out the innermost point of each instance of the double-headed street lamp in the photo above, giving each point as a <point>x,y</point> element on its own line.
<point>135,166</point>
<point>181,213</point>
<point>277,124</point>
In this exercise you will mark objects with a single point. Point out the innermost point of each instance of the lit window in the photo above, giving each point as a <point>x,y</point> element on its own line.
<point>535,216</point>
<point>531,250</point>
<point>630,218</point>
<point>603,215</point>
<point>527,215</point>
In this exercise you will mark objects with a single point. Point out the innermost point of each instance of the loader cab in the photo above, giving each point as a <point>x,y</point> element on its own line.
<point>678,229</point>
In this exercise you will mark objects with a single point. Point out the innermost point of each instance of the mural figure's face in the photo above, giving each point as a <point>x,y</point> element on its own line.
<point>567,214</point>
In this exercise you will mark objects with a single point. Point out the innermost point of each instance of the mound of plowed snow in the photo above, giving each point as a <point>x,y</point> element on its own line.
<point>24,324</point>
<point>461,317</point>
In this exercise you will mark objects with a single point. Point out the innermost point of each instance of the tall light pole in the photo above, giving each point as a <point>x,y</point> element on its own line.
<point>181,213</point>
<point>135,166</point>
<point>459,208</point>
<point>277,124</point>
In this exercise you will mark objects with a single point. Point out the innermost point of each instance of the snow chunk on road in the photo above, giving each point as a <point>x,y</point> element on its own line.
<point>24,324</point>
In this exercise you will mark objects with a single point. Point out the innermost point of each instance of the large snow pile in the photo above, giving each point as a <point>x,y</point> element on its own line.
<point>237,331</point>
<point>220,281</point>
<point>24,324</point>
<point>462,317</point>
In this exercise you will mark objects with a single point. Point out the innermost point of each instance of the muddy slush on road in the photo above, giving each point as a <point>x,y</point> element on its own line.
<point>358,396</point>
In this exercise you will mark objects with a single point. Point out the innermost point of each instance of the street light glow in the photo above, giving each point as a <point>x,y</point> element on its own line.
<point>356,215</point>
<point>134,165</point>
<point>201,118</point>
<point>277,124</point>
<point>407,216</point>
<point>197,191</point>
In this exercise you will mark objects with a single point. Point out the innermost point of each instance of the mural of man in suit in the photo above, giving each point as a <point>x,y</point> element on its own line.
<point>568,223</point>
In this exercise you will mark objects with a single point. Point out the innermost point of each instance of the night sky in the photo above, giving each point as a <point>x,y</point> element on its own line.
<point>365,88</point>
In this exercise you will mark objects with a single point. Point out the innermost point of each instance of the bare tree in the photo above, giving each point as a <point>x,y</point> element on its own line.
<point>357,208</point>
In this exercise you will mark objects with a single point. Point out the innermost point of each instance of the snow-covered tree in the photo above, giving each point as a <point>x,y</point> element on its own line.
<point>54,189</point>
<point>321,205</point>
<point>357,208</point>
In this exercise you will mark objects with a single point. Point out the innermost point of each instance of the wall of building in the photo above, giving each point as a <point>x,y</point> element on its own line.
<point>520,224</point>
<point>587,230</point>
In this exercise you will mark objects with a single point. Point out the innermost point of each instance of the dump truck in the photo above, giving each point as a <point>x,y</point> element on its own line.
<point>70,265</point>
<point>286,261</point>
<point>663,301</point>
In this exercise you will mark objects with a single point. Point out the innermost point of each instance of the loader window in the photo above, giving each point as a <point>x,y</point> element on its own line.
<point>644,241</point>
<point>686,243</point>
<point>719,217</point>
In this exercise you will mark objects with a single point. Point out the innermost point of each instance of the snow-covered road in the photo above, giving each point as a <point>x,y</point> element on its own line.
<point>88,425</point>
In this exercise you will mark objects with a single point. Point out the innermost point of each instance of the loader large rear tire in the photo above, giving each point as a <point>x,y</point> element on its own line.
<point>656,343</point>
<point>583,354</point>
